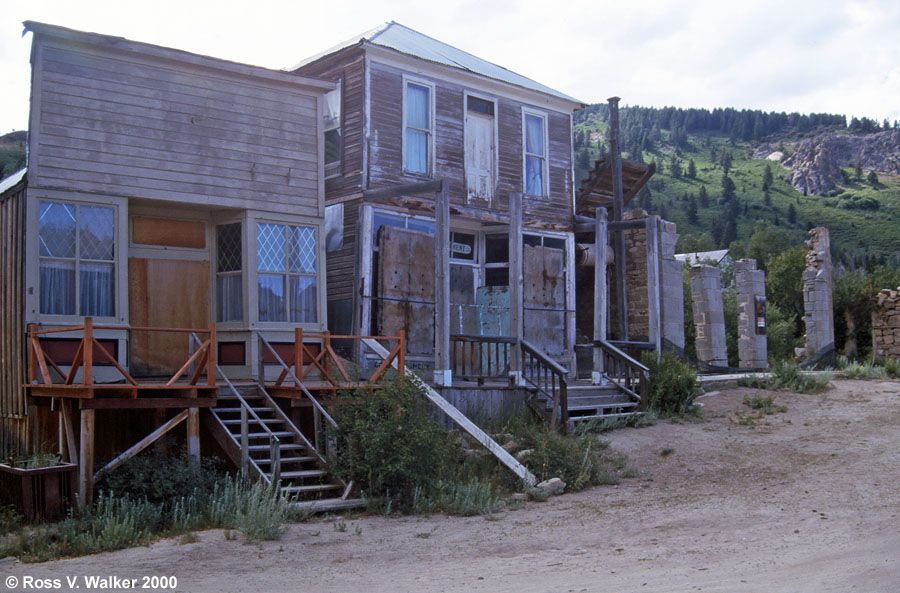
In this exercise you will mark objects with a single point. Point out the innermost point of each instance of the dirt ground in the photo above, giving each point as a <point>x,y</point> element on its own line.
<point>803,500</point>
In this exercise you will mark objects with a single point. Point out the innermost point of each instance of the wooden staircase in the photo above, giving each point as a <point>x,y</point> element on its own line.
<point>276,450</point>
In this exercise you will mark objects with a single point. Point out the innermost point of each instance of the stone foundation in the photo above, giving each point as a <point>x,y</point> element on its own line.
<point>709,315</point>
<point>886,324</point>
<point>750,285</point>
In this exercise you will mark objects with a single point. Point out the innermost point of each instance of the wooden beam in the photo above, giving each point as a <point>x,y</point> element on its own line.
<point>66,419</point>
<point>148,403</point>
<point>193,437</point>
<point>460,419</point>
<point>618,213</point>
<point>639,183</point>
<point>87,372</point>
<point>425,187</point>
<point>516,285</point>
<point>654,309</point>
<point>86,459</point>
<point>442,370</point>
<point>601,292</point>
<point>142,444</point>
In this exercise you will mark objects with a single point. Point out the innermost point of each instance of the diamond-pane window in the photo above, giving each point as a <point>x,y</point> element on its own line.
<point>228,247</point>
<point>77,271</point>
<point>229,277</point>
<point>287,280</point>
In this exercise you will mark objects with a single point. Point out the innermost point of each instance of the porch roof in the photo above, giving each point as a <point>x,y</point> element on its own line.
<point>596,189</point>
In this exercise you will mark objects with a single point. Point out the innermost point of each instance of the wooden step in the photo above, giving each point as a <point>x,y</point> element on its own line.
<point>324,505</point>
<point>252,420</point>
<point>306,473</point>
<point>581,406</point>
<point>264,435</point>
<point>310,488</point>
<point>282,446</point>
<point>286,460</point>
<point>604,416</point>
<point>259,410</point>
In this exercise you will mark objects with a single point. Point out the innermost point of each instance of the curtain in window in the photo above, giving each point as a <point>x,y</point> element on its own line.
<point>534,162</point>
<point>271,297</point>
<point>417,125</point>
<point>57,287</point>
<point>97,289</point>
<point>303,299</point>
<point>229,298</point>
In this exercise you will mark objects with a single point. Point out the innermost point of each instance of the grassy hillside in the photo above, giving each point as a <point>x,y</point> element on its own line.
<point>864,220</point>
<point>12,153</point>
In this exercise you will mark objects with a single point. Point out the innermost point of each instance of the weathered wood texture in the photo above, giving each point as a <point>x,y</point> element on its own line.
<point>13,425</point>
<point>135,124</point>
<point>544,299</point>
<point>406,281</point>
<point>385,165</point>
<point>165,293</point>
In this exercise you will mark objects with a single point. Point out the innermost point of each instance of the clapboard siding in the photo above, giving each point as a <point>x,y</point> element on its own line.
<point>13,423</point>
<point>130,124</point>
<point>386,164</point>
<point>348,68</point>
<point>341,264</point>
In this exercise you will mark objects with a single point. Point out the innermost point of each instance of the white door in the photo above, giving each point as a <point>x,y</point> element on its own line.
<point>479,156</point>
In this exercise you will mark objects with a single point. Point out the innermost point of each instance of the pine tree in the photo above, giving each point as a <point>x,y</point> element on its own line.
<point>792,214</point>
<point>675,167</point>
<point>767,176</point>
<point>857,171</point>
<point>728,188</point>
<point>692,211</point>
<point>704,197</point>
<point>767,197</point>
<point>692,169</point>
<point>726,162</point>
<point>872,179</point>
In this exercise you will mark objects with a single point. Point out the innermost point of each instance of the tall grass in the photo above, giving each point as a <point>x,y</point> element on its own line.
<point>787,377</point>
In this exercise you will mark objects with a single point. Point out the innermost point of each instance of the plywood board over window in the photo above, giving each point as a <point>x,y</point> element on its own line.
<point>406,287</point>
<point>545,298</point>
<point>165,232</point>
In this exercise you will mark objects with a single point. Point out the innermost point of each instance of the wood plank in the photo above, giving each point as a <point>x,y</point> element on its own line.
<point>142,444</point>
<point>601,292</point>
<point>86,457</point>
<point>618,213</point>
<point>117,403</point>
<point>516,283</point>
<point>193,436</point>
<point>441,322</point>
<point>168,232</point>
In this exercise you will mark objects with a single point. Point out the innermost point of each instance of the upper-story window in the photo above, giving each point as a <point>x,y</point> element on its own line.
<point>77,259</point>
<point>334,146</point>
<point>534,148</point>
<point>418,134</point>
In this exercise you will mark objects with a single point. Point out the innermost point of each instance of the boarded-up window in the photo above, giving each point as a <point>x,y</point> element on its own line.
<point>166,232</point>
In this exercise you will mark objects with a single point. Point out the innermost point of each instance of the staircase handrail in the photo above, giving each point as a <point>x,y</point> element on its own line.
<point>642,371</point>
<point>560,394</point>
<point>247,411</point>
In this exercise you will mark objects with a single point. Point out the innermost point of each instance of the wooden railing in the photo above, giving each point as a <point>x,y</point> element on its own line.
<point>628,374</point>
<point>549,378</point>
<point>326,366</point>
<point>480,358</point>
<point>200,363</point>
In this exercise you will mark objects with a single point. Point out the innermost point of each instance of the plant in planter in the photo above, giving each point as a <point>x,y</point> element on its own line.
<point>39,486</point>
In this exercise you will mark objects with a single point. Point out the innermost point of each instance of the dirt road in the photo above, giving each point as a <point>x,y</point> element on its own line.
<point>807,500</point>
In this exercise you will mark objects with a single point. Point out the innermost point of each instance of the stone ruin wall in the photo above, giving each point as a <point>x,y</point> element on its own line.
<point>886,324</point>
<point>636,279</point>
<point>817,294</point>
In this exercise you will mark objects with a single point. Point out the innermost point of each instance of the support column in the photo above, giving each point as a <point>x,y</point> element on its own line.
<point>193,437</point>
<point>618,214</point>
<point>516,285</point>
<point>654,308</point>
<point>750,285</point>
<point>601,291</point>
<point>709,315</point>
<point>817,294</point>
<point>672,287</point>
<point>86,459</point>
<point>443,375</point>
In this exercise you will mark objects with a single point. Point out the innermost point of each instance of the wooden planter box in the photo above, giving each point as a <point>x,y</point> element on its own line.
<point>44,493</point>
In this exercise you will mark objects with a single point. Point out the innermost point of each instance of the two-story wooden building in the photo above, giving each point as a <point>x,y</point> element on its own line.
<point>408,110</point>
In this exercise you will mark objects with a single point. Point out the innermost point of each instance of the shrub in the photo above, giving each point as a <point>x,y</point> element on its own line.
<point>787,377</point>
<point>673,384</point>
<point>468,498</point>
<point>891,367</point>
<point>863,370</point>
<point>160,478</point>
<point>390,445</point>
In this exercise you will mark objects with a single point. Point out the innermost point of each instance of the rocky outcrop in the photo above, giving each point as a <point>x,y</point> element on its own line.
<point>816,163</point>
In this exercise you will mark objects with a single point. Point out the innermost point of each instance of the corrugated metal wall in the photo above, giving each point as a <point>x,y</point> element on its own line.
<point>13,424</point>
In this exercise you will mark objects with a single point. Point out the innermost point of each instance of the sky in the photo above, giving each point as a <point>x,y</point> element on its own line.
<point>776,55</point>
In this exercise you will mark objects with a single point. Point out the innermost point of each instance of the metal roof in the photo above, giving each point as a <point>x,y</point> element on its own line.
<point>698,257</point>
<point>401,38</point>
<point>12,180</point>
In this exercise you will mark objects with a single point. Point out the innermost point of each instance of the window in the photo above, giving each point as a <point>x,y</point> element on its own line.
<point>333,142</point>
<point>286,279</point>
<point>334,227</point>
<point>496,260</point>
<point>418,129</point>
<point>229,280</point>
<point>77,259</point>
<point>535,152</point>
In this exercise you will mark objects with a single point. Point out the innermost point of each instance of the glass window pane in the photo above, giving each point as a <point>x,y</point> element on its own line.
<point>496,249</point>
<point>97,291</point>
<point>534,174</point>
<point>303,299</point>
<point>496,277</point>
<point>96,228</point>
<point>333,107</point>
<point>334,227</point>
<point>270,252</point>
<point>228,247</point>
<point>417,106</point>
<point>57,282</point>
<point>416,151</point>
<point>229,298</point>
<point>534,135</point>
<point>462,246</point>
<point>381,219</point>
<point>56,229</point>
<point>271,297</point>
<point>423,226</point>
<point>302,249</point>
<point>332,152</point>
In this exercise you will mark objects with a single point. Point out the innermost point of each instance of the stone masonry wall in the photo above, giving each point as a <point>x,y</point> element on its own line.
<point>636,279</point>
<point>672,286</point>
<point>886,324</point>
<point>817,294</point>
<point>750,283</point>
<point>709,315</point>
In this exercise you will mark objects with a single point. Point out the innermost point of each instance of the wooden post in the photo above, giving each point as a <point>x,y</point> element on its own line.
<point>326,358</point>
<point>618,213</point>
<point>601,292</point>
<point>298,351</point>
<point>87,371</point>
<point>86,459</point>
<point>193,437</point>
<point>32,359</point>
<point>443,375</point>
<point>65,408</point>
<point>211,358</point>
<point>245,442</point>
<point>401,354</point>
<point>516,285</point>
<point>651,229</point>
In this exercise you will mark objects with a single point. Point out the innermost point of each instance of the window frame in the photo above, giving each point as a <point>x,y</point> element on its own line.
<point>545,158</point>
<point>430,131</point>
<point>119,262</point>
<point>339,127</point>
<point>495,157</point>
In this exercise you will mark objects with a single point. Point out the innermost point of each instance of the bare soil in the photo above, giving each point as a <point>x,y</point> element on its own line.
<point>803,500</point>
